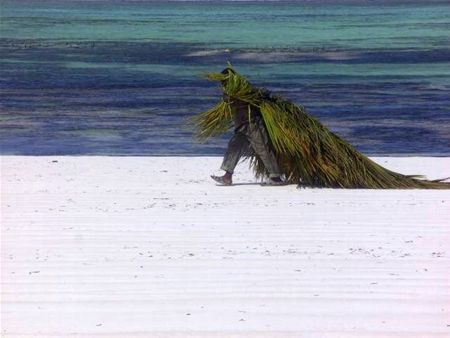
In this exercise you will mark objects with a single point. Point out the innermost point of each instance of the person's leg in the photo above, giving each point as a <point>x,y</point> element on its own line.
<point>259,141</point>
<point>237,146</point>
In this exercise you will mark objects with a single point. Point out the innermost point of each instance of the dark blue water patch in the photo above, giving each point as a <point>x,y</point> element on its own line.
<point>157,130</point>
<point>53,108</point>
<point>365,101</point>
<point>174,101</point>
<point>50,76</point>
<point>55,143</point>
<point>46,75</point>
<point>139,52</point>
<point>98,51</point>
<point>370,140</point>
<point>106,122</point>
<point>408,139</point>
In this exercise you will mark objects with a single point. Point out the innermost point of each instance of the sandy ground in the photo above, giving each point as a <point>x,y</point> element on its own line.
<point>151,247</point>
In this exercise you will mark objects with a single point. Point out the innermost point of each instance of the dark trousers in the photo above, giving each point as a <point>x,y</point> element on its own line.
<point>250,136</point>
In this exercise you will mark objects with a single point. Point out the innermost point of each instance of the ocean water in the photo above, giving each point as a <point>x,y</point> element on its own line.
<point>122,77</point>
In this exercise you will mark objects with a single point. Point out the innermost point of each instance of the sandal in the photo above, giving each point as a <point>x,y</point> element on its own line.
<point>222,180</point>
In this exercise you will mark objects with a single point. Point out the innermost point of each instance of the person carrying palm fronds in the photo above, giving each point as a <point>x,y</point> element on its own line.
<point>281,139</point>
<point>250,139</point>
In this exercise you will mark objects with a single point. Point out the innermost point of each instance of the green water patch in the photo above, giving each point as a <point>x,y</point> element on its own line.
<point>268,70</point>
<point>259,25</point>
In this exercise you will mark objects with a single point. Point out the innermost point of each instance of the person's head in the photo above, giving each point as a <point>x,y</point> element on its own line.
<point>226,71</point>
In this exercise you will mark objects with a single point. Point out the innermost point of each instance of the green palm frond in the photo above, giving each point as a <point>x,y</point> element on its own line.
<point>213,122</point>
<point>308,153</point>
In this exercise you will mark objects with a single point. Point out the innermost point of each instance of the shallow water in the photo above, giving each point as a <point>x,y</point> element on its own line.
<point>121,77</point>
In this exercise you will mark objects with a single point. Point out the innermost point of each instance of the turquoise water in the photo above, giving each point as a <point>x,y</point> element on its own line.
<point>120,77</point>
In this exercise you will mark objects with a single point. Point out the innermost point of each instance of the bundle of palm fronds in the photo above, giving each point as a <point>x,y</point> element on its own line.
<point>308,153</point>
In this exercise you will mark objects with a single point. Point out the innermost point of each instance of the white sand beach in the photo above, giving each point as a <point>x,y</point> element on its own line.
<point>151,247</point>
